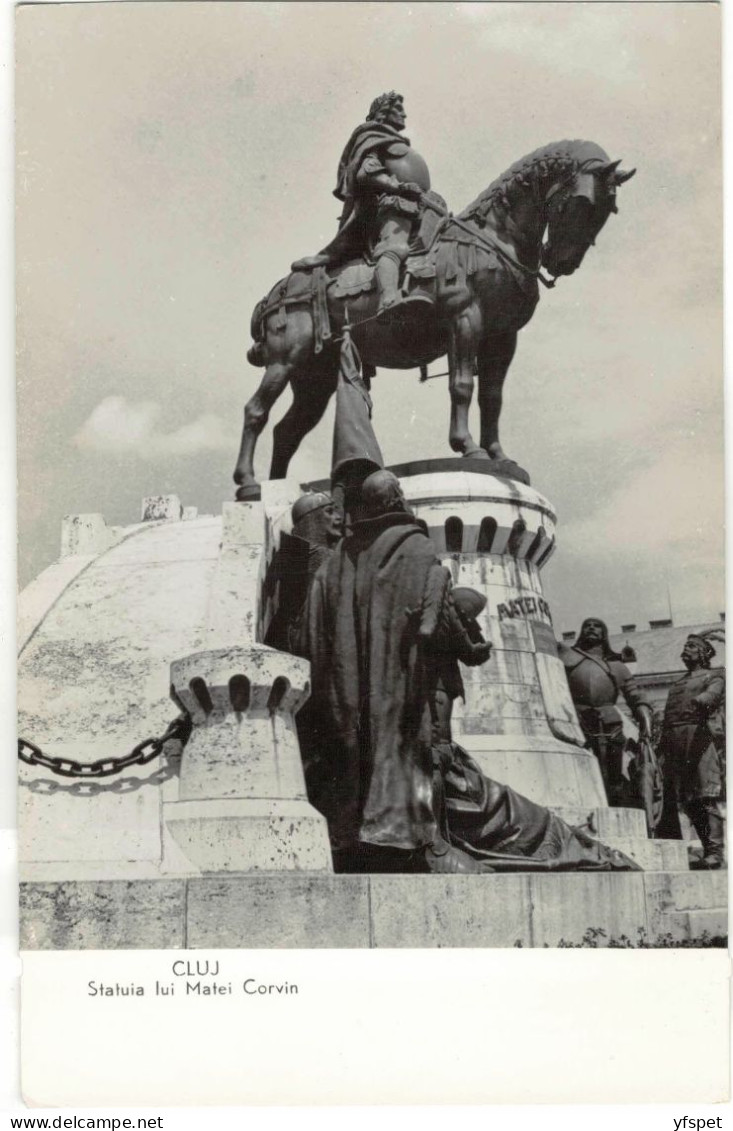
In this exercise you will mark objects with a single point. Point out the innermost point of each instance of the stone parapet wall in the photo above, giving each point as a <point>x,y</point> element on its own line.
<point>322,911</point>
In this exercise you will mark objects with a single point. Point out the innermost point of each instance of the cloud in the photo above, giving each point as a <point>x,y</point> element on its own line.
<point>674,508</point>
<point>121,427</point>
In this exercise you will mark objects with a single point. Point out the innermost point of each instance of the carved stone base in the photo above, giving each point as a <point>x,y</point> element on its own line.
<point>250,836</point>
<point>242,805</point>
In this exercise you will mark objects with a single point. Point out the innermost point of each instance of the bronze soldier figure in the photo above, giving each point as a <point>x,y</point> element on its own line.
<point>692,752</point>
<point>597,676</point>
<point>317,528</point>
<point>380,180</point>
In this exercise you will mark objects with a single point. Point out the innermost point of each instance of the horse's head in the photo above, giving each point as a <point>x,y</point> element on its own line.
<point>577,208</point>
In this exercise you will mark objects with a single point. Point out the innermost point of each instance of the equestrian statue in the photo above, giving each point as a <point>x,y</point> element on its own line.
<point>406,282</point>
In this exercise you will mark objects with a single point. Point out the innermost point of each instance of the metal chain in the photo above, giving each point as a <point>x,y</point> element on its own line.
<point>144,752</point>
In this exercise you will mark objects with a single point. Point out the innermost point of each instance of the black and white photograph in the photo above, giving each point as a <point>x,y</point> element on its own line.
<point>370,446</point>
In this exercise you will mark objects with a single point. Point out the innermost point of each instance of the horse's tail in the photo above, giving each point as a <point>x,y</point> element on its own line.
<point>256,352</point>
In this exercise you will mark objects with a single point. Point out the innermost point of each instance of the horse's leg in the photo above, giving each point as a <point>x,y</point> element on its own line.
<point>287,354</point>
<point>461,362</point>
<point>494,358</point>
<point>312,391</point>
<point>256,413</point>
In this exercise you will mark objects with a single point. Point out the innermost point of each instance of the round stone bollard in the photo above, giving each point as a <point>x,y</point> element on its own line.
<point>518,720</point>
<point>242,803</point>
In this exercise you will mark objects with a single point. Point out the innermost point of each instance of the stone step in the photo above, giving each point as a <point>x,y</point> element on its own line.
<point>693,891</point>
<point>683,925</point>
<point>300,910</point>
<point>652,855</point>
<point>605,822</point>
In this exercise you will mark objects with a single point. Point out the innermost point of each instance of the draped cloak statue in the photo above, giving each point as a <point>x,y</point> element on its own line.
<point>383,635</point>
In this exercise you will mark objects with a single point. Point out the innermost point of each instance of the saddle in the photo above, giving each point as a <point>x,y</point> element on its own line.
<point>439,260</point>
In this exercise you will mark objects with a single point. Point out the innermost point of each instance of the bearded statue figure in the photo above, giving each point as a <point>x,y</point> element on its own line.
<point>381,180</point>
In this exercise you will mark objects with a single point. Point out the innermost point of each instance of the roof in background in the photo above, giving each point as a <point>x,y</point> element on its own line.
<point>658,649</point>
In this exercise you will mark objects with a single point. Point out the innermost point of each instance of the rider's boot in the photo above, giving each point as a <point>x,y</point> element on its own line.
<point>310,262</point>
<point>387,271</point>
<point>712,835</point>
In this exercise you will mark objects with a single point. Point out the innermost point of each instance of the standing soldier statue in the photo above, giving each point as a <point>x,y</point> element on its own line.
<point>381,180</point>
<point>692,752</point>
<point>597,676</point>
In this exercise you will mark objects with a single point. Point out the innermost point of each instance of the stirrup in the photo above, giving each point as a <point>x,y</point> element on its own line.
<point>384,314</point>
<point>309,263</point>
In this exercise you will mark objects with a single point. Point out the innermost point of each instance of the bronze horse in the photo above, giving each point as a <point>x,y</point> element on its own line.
<point>567,190</point>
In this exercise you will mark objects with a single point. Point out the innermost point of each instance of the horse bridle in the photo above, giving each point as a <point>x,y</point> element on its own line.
<point>564,185</point>
<point>497,249</point>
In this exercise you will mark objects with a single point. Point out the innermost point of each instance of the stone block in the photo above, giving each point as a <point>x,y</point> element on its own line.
<point>242,702</point>
<point>35,601</point>
<point>669,893</point>
<point>233,612</point>
<point>110,820</point>
<point>567,905</point>
<point>589,784</point>
<point>293,909</point>
<point>513,635</point>
<point>278,497</point>
<point>116,915</point>
<point>62,871</point>
<point>529,774</point>
<point>83,535</point>
<point>250,835</point>
<point>610,821</point>
<point>460,485</point>
<point>243,524</point>
<point>684,925</point>
<point>278,494</point>
<point>694,891</point>
<point>547,772</point>
<point>606,823</point>
<point>242,802</point>
<point>287,910</point>
<point>451,911</point>
<point>161,543</point>
<point>652,855</point>
<point>101,678</point>
<point>578,816</point>
<point>161,508</point>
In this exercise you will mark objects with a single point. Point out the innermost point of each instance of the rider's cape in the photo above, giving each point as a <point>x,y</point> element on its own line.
<point>366,138</point>
<point>356,219</point>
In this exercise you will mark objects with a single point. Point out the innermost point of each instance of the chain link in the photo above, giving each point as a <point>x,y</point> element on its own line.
<point>144,752</point>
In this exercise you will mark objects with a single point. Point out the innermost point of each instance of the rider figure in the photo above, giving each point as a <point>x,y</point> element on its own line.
<point>381,180</point>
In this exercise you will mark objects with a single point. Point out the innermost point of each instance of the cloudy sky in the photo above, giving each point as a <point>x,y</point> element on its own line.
<point>174,158</point>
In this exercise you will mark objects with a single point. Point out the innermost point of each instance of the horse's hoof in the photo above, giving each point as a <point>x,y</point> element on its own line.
<point>248,493</point>
<point>511,470</point>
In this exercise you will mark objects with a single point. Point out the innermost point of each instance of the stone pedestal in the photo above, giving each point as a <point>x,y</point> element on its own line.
<point>242,804</point>
<point>518,720</point>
